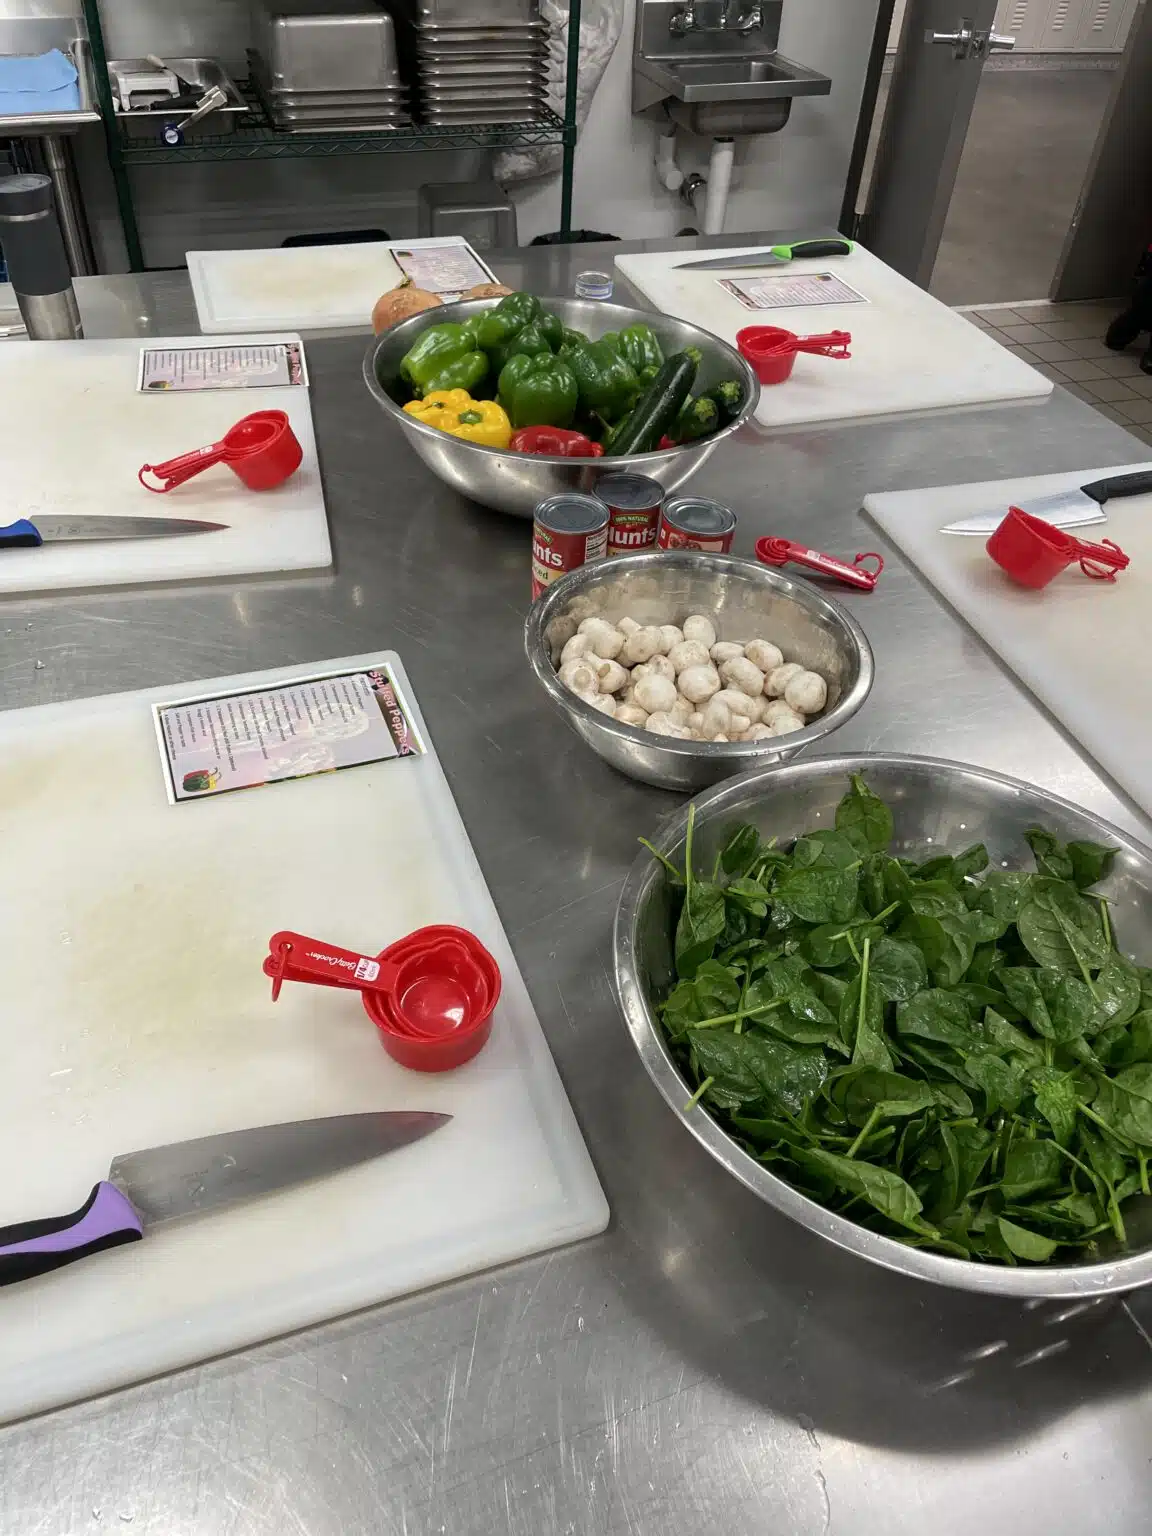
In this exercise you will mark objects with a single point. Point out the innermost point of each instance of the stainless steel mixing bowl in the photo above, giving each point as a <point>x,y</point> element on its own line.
<point>938,806</point>
<point>515,482</point>
<point>745,601</point>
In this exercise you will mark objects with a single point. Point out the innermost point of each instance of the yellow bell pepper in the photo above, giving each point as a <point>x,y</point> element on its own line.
<point>454,411</point>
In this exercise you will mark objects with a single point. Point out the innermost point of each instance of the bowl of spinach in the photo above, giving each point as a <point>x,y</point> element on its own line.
<point>908,1002</point>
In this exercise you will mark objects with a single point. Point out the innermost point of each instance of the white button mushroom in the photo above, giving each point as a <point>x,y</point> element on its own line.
<point>604,702</point>
<point>743,674</point>
<point>699,627</point>
<point>604,640</point>
<point>721,736</point>
<point>682,712</point>
<point>777,680</point>
<point>753,733</point>
<point>580,676</point>
<point>689,653</point>
<point>740,724</point>
<point>631,714</point>
<point>742,703</point>
<point>559,631</point>
<point>641,645</point>
<point>695,721</point>
<point>774,708</point>
<point>655,694</point>
<point>661,666</point>
<point>764,654</point>
<point>670,635</point>
<point>716,717</point>
<point>627,626</point>
<point>725,650</point>
<point>784,723</point>
<point>574,649</point>
<point>699,683</point>
<point>664,725</point>
<point>611,674</point>
<point>807,693</point>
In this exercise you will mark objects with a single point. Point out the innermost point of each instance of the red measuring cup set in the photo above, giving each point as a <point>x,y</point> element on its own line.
<point>777,551</point>
<point>430,995</point>
<point>772,350</point>
<point>1032,551</point>
<point>261,450</point>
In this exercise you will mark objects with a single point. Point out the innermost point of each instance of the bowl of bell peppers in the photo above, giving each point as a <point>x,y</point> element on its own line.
<point>513,399</point>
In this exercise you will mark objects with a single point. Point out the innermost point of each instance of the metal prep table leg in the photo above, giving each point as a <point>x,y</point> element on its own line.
<point>57,158</point>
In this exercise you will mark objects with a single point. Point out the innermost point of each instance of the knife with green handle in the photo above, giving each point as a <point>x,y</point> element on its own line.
<point>772,257</point>
<point>191,1178</point>
<point>28,534</point>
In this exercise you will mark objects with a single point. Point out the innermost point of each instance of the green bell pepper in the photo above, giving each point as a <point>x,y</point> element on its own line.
<point>529,339</point>
<point>443,357</point>
<point>571,338</point>
<point>639,346</point>
<point>607,382</point>
<point>551,327</point>
<point>538,391</point>
<point>499,325</point>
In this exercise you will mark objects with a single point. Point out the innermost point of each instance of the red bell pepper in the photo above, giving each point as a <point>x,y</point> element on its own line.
<point>560,442</point>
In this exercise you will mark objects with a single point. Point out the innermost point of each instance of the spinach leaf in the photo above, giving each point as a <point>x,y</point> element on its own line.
<point>1050,853</point>
<point>1025,1244</point>
<point>748,1068</point>
<point>1060,928</point>
<point>830,945</point>
<point>1117,993</point>
<point>886,1095</point>
<point>1055,1096</point>
<point>945,944</point>
<point>803,1018</point>
<point>1090,862</point>
<point>716,989</point>
<point>1029,1167</point>
<point>740,850</point>
<point>818,893</point>
<point>936,1014</point>
<point>864,818</point>
<point>896,969</point>
<point>1125,1102</point>
<point>1003,1083</point>
<point>886,1191</point>
<point>1002,892</point>
<point>1057,1006</point>
<point>862,1025</point>
<point>702,919</point>
<point>1129,1044</point>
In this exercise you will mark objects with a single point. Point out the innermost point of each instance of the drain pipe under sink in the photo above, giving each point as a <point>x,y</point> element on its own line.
<point>719,183</point>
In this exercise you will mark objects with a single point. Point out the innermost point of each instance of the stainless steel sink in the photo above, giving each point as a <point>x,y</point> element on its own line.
<point>714,73</point>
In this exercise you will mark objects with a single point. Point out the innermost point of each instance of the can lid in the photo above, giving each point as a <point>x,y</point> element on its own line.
<point>594,285</point>
<point>24,195</point>
<point>571,512</point>
<point>628,492</point>
<point>699,514</point>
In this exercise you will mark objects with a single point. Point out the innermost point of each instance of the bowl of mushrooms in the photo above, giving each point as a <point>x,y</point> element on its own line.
<point>681,668</point>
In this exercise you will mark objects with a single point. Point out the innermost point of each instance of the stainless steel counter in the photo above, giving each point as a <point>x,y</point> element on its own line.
<point>705,1366</point>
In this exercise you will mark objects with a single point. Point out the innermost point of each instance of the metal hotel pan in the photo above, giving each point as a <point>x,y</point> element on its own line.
<point>482,75</point>
<point>392,100</point>
<point>326,45</point>
<point>449,13</point>
<point>502,58</point>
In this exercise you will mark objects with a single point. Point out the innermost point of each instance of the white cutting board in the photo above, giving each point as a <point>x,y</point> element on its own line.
<point>909,351</point>
<point>1081,646</point>
<point>74,431</point>
<point>299,287</point>
<point>135,1013</point>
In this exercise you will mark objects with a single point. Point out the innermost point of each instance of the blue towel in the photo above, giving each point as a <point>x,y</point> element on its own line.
<point>38,83</point>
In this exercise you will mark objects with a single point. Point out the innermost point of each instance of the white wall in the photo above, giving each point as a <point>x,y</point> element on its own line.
<point>793,179</point>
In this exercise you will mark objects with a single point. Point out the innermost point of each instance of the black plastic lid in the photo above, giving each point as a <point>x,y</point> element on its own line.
<point>24,195</point>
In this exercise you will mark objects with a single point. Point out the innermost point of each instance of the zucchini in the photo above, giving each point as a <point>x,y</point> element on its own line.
<point>729,398</point>
<point>699,415</point>
<point>657,408</point>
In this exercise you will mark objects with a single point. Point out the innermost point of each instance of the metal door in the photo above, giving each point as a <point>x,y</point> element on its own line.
<point>942,50</point>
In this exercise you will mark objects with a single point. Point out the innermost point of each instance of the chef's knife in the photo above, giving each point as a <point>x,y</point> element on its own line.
<point>772,257</point>
<point>1065,509</point>
<point>26,534</point>
<point>189,1178</point>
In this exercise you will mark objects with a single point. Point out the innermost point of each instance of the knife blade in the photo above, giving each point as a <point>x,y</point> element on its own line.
<point>26,534</point>
<point>190,1178</point>
<point>1074,508</point>
<point>774,256</point>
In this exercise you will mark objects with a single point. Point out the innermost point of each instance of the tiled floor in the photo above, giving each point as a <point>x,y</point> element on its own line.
<point>1065,342</point>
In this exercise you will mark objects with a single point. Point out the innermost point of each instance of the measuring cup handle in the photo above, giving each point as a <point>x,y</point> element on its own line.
<point>183,467</point>
<point>296,957</point>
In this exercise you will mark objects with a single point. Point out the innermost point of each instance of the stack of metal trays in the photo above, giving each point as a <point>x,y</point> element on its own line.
<point>328,66</point>
<point>475,62</point>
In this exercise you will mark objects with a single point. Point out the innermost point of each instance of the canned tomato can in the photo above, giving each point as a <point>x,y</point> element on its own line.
<point>634,502</point>
<point>568,530</point>
<point>694,522</point>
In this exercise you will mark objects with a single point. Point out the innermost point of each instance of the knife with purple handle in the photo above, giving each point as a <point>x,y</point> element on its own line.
<point>190,1178</point>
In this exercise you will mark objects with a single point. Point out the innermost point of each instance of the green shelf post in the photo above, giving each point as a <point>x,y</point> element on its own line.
<point>568,163</point>
<point>124,203</point>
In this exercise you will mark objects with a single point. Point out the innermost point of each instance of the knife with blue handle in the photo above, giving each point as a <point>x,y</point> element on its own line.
<point>26,534</point>
<point>190,1178</point>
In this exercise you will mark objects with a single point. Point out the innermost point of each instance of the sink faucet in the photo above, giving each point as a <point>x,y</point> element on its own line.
<point>687,19</point>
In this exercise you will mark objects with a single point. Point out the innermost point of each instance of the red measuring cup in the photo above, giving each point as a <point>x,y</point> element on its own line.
<point>261,449</point>
<point>772,350</point>
<point>1032,551</point>
<point>431,995</point>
